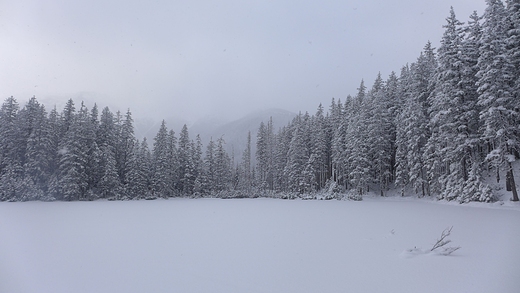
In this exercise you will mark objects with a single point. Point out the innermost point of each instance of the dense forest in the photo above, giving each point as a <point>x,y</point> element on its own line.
<point>434,129</point>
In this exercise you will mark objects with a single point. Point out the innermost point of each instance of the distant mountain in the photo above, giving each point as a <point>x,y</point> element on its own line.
<point>148,127</point>
<point>235,132</point>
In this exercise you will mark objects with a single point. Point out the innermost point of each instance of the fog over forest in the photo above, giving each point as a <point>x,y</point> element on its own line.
<point>188,60</point>
<point>442,126</point>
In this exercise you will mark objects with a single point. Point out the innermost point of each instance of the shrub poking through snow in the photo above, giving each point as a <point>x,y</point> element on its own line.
<point>442,242</point>
<point>439,248</point>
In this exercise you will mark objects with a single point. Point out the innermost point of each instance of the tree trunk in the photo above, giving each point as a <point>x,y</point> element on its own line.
<point>464,169</point>
<point>512,182</point>
<point>508,180</point>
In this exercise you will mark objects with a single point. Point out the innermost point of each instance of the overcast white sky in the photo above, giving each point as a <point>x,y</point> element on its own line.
<point>190,59</point>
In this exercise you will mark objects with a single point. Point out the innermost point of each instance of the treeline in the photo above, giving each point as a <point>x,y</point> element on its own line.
<point>435,129</point>
<point>83,155</point>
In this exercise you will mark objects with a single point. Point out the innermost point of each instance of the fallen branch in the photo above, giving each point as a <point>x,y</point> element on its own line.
<point>443,241</point>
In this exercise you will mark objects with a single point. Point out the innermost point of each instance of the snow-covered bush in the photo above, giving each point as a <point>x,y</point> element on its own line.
<point>353,195</point>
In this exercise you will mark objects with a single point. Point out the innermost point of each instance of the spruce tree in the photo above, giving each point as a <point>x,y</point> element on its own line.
<point>380,135</point>
<point>186,169</point>
<point>297,157</point>
<point>160,163</point>
<point>496,98</point>
<point>209,174</point>
<point>450,105</point>
<point>246,179</point>
<point>222,167</point>
<point>38,155</point>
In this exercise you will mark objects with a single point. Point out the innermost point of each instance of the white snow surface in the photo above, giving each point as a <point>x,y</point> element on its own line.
<point>257,245</point>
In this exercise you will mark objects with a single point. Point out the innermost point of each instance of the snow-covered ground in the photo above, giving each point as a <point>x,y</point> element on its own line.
<point>260,245</point>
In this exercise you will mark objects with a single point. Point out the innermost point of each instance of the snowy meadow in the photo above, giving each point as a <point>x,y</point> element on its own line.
<point>257,245</point>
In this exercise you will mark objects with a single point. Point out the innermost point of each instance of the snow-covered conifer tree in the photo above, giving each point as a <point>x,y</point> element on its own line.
<point>222,167</point>
<point>496,92</point>
<point>160,166</point>
<point>380,131</point>
<point>186,168</point>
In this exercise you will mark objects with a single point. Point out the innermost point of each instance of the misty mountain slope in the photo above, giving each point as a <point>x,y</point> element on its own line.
<point>235,132</point>
<point>148,127</point>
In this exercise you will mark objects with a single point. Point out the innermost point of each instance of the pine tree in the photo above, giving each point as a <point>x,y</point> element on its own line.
<point>450,107</point>
<point>263,158</point>
<point>53,155</point>
<point>496,98</point>
<point>106,132</point>
<point>90,125</point>
<point>283,140</point>
<point>124,145</point>
<point>358,145</point>
<point>186,168</point>
<point>110,186</point>
<point>513,42</point>
<point>395,105</point>
<point>78,154</point>
<point>138,186</point>
<point>320,145</point>
<point>420,88</point>
<point>172,157</point>
<point>200,174</point>
<point>222,167</point>
<point>67,117</point>
<point>11,183</point>
<point>39,153</point>
<point>198,166</point>
<point>160,164</point>
<point>246,179</point>
<point>8,133</point>
<point>513,52</point>
<point>209,174</point>
<point>296,169</point>
<point>380,135</point>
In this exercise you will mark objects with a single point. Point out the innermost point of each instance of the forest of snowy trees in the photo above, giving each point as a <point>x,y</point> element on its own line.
<point>434,129</point>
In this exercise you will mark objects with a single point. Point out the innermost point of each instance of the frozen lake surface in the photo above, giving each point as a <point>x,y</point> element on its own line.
<point>260,245</point>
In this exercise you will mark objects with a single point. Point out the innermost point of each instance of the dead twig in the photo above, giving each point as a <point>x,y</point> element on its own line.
<point>441,242</point>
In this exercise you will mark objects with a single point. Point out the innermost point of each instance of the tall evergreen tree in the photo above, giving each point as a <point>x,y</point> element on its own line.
<point>125,143</point>
<point>138,186</point>
<point>8,133</point>
<point>339,123</point>
<point>198,166</point>
<point>320,145</point>
<point>222,167</point>
<point>420,88</point>
<point>209,174</point>
<point>38,155</point>
<point>73,179</point>
<point>450,107</point>
<point>496,98</point>
<point>358,145</point>
<point>160,164</point>
<point>283,141</point>
<point>186,167</point>
<point>297,157</point>
<point>110,186</point>
<point>380,135</point>
<point>246,179</point>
